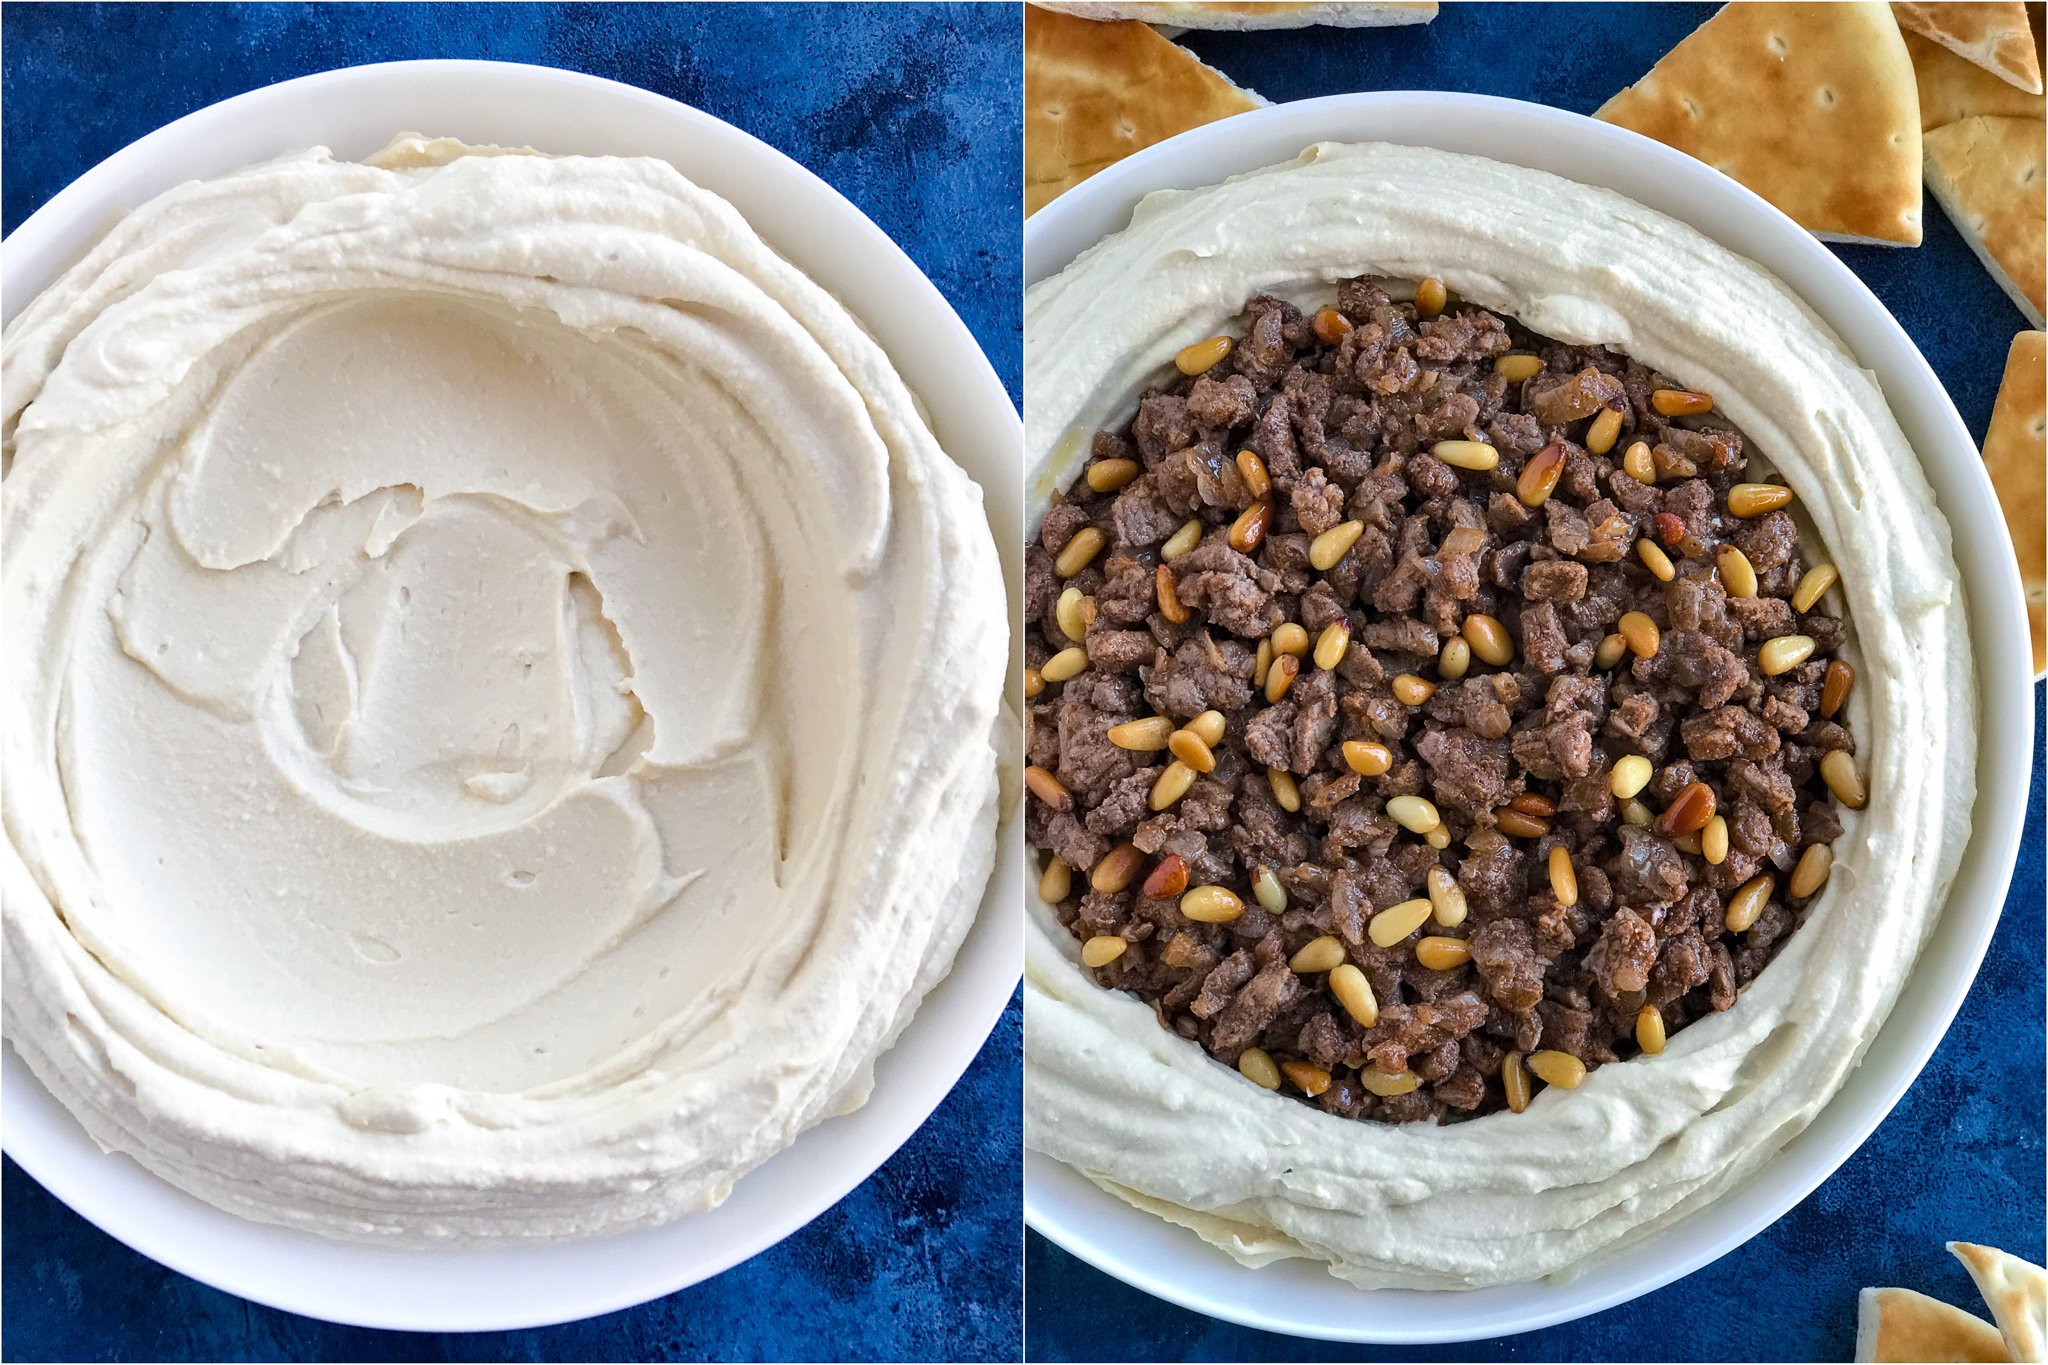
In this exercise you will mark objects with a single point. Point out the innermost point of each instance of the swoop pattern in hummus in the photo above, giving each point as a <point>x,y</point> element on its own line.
<point>1586,1172</point>
<point>462,781</point>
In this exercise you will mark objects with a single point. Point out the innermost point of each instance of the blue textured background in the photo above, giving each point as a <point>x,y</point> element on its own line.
<point>1961,1157</point>
<point>912,112</point>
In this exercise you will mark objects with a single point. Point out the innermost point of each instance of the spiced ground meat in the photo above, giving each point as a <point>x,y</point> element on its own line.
<point>1422,710</point>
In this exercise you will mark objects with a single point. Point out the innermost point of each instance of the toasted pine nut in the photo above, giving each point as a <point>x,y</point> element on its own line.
<point>1604,431</point>
<point>1281,676</point>
<point>1688,812</point>
<point>1167,594</point>
<point>1514,1080</point>
<point>1813,586</point>
<point>1609,651</point>
<point>1255,1064</point>
<point>1211,905</point>
<point>1248,532</point>
<point>1455,660</point>
<point>1106,476</point>
<point>1476,455</point>
<point>1034,683</point>
<point>1182,541</point>
<point>1330,326</point>
<point>1516,825</point>
<point>1714,841</point>
<point>1354,993</point>
<point>1203,356</point>
<point>1207,727</point>
<point>1252,470</point>
<point>1327,549</point>
<point>1747,500</point>
<point>1415,814</point>
<point>1446,897</point>
<point>1387,1085</point>
<point>1172,784</point>
<point>1783,654</point>
<point>1075,555</point>
<point>1539,476</point>
<point>1309,1080</point>
<point>1834,687</point>
<point>1410,690</point>
<point>1637,464</point>
<point>1655,560</point>
<point>1650,1030</point>
<point>1738,576</point>
<point>1488,638</point>
<point>1056,883</point>
<point>1637,814</point>
<point>1441,954</point>
<point>1534,803</point>
<point>1640,632</point>
<point>1680,402</point>
<point>1146,736</point>
<point>1067,612</point>
<point>1367,758</point>
<point>1564,879</point>
<point>1102,950</point>
<point>1263,662</point>
<point>1430,297</point>
<point>1290,638</point>
<point>1516,368</point>
<point>1396,922</point>
<point>1810,873</point>
<point>1284,789</point>
<point>1117,870</point>
<point>1049,789</point>
<point>1268,891</point>
<point>1748,902</point>
<point>1166,880</point>
<point>1632,773</point>
<point>1560,1069</point>
<point>1187,747</point>
<point>1838,770</point>
<point>1332,645</point>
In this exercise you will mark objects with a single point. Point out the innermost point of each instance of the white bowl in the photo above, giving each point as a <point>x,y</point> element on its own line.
<point>355,111</point>
<point>1301,1297</point>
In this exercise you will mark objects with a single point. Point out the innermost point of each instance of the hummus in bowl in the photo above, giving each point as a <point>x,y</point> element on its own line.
<point>1552,1192</point>
<point>462,783</point>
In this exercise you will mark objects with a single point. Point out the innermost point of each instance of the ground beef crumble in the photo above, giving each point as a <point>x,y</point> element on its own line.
<point>1209,508</point>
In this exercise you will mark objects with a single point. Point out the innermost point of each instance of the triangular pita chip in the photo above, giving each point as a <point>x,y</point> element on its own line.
<point>1810,105</point>
<point>1096,92</point>
<point>1987,173</point>
<point>1952,89</point>
<point>1993,36</point>
<point>2016,457</point>
<point>1252,14</point>
<point>1900,1325</point>
<point>2015,1291</point>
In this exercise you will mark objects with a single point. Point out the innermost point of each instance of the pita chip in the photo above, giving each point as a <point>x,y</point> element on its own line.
<point>2016,1291</point>
<point>1810,105</point>
<point>1245,15</point>
<point>1900,1325</point>
<point>1987,173</point>
<point>1952,89</point>
<point>1096,92</point>
<point>1995,37</point>
<point>2016,457</point>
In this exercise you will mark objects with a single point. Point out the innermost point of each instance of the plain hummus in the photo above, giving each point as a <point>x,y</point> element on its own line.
<point>498,701</point>
<point>1644,1142</point>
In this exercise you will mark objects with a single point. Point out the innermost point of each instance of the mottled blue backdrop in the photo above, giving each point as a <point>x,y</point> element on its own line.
<point>912,112</point>
<point>1961,1157</point>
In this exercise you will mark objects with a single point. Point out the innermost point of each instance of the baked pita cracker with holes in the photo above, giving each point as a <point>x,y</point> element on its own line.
<point>1096,92</point>
<point>1810,105</point>
<point>1995,37</point>
<point>1987,173</point>
<point>2016,457</point>
<point>2016,1292</point>
<point>1952,89</point>
<point>1900,1325</point>
<point>1246,15</point>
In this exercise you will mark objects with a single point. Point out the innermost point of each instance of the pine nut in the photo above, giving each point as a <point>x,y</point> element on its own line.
<point>1446,897</point>
<point>1367,758</point>
<point>1517,825</point>
<point>1332,645</point>
<point>1166,880</point>
<point>1655,560</point>
<point>1640,633</point>
<point>1284,790</point>
<point>1637,814</point>
<point>1738,576</point>
<point>1075,555</point>
<point>1102,950</point>
<point>1330,326</point>
<point>1182,541</point>
<point>1455,660</point>
<point>1396,922</point>
<point>1810,874</point>
<point>1814,586</point>
<point>1516,368</point>
<point>1145,736</point>
<point>1415,814</point>
<point>1034,683</point>
<point>1604,431</point>
<point>1067,612</point>
<point>1430,297</point>
<point>1474,455</point>
<point>1747,500</point>
<point>1438,838</point>
<point>1255,1064</point>
<point>1714,841</point>
<point>1248,532</point>
<point>1688,843</point>
<point>1609,651</point>
<point>1172,784</point>
<point>1106,476</point>
<point>1056,883</point>
<point>1688,812</point>
<point>1488,638</point>
<point>1263,663</point>
<point>1117,870</point>
<point>1309,1080</point>
<point>1441,954</point>
<point>1637,464</point>
<point>1290,638</point>
<point>1187,747</point>
<point>1410,690</point>
<point>1168,594</point>
<point>1354,993</point>
<point>1680,402</point>
<point>1564,880</point>
<point>1632,773</point>
<point>1748,902</point>
<point>1514,1081</point>
<point>1534,803</point>
<point>1387,1085</point>
<point>1048,789</point>
<point>1252,470</point>
<point>1539,477</point>
<point>1203,356</point>
<point>1783,654</point>
<point>1331,546</point>
<point>1560,1069</point>
<point>1211,905</point>
<point>1281,676</point>
<point>1834,687</point>
<point>1207,727</point>
<point>1838,770</point>
<point>1267,890</point>
<point>1650,1030</point>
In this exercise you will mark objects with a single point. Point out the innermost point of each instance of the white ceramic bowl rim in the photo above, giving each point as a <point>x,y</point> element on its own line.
<point>1300,1297</point>
<point>355,110</point>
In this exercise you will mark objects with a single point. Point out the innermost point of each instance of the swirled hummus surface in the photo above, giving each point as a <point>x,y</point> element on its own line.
<point>1587,1172</point>
<point>499,695</point>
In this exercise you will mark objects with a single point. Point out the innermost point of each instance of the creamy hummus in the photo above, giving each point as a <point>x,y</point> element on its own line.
<point>1644,1142</point>
<point>499,695</point>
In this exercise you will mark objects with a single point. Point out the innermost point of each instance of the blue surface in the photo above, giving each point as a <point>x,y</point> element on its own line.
<point>1961,1157</point>
<point>912,112</point>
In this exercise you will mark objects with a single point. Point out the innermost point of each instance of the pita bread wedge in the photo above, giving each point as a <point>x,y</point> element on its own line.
<point>1900,1325</point>
<point>1995,37</point>
<point>1096,92</point>
<point>2016,1291</point>
<point>1987,173</point>
<point>1244,15</point>
<point>1810,105</point>
<point>2016,457</point>
<point>1952,89</point>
